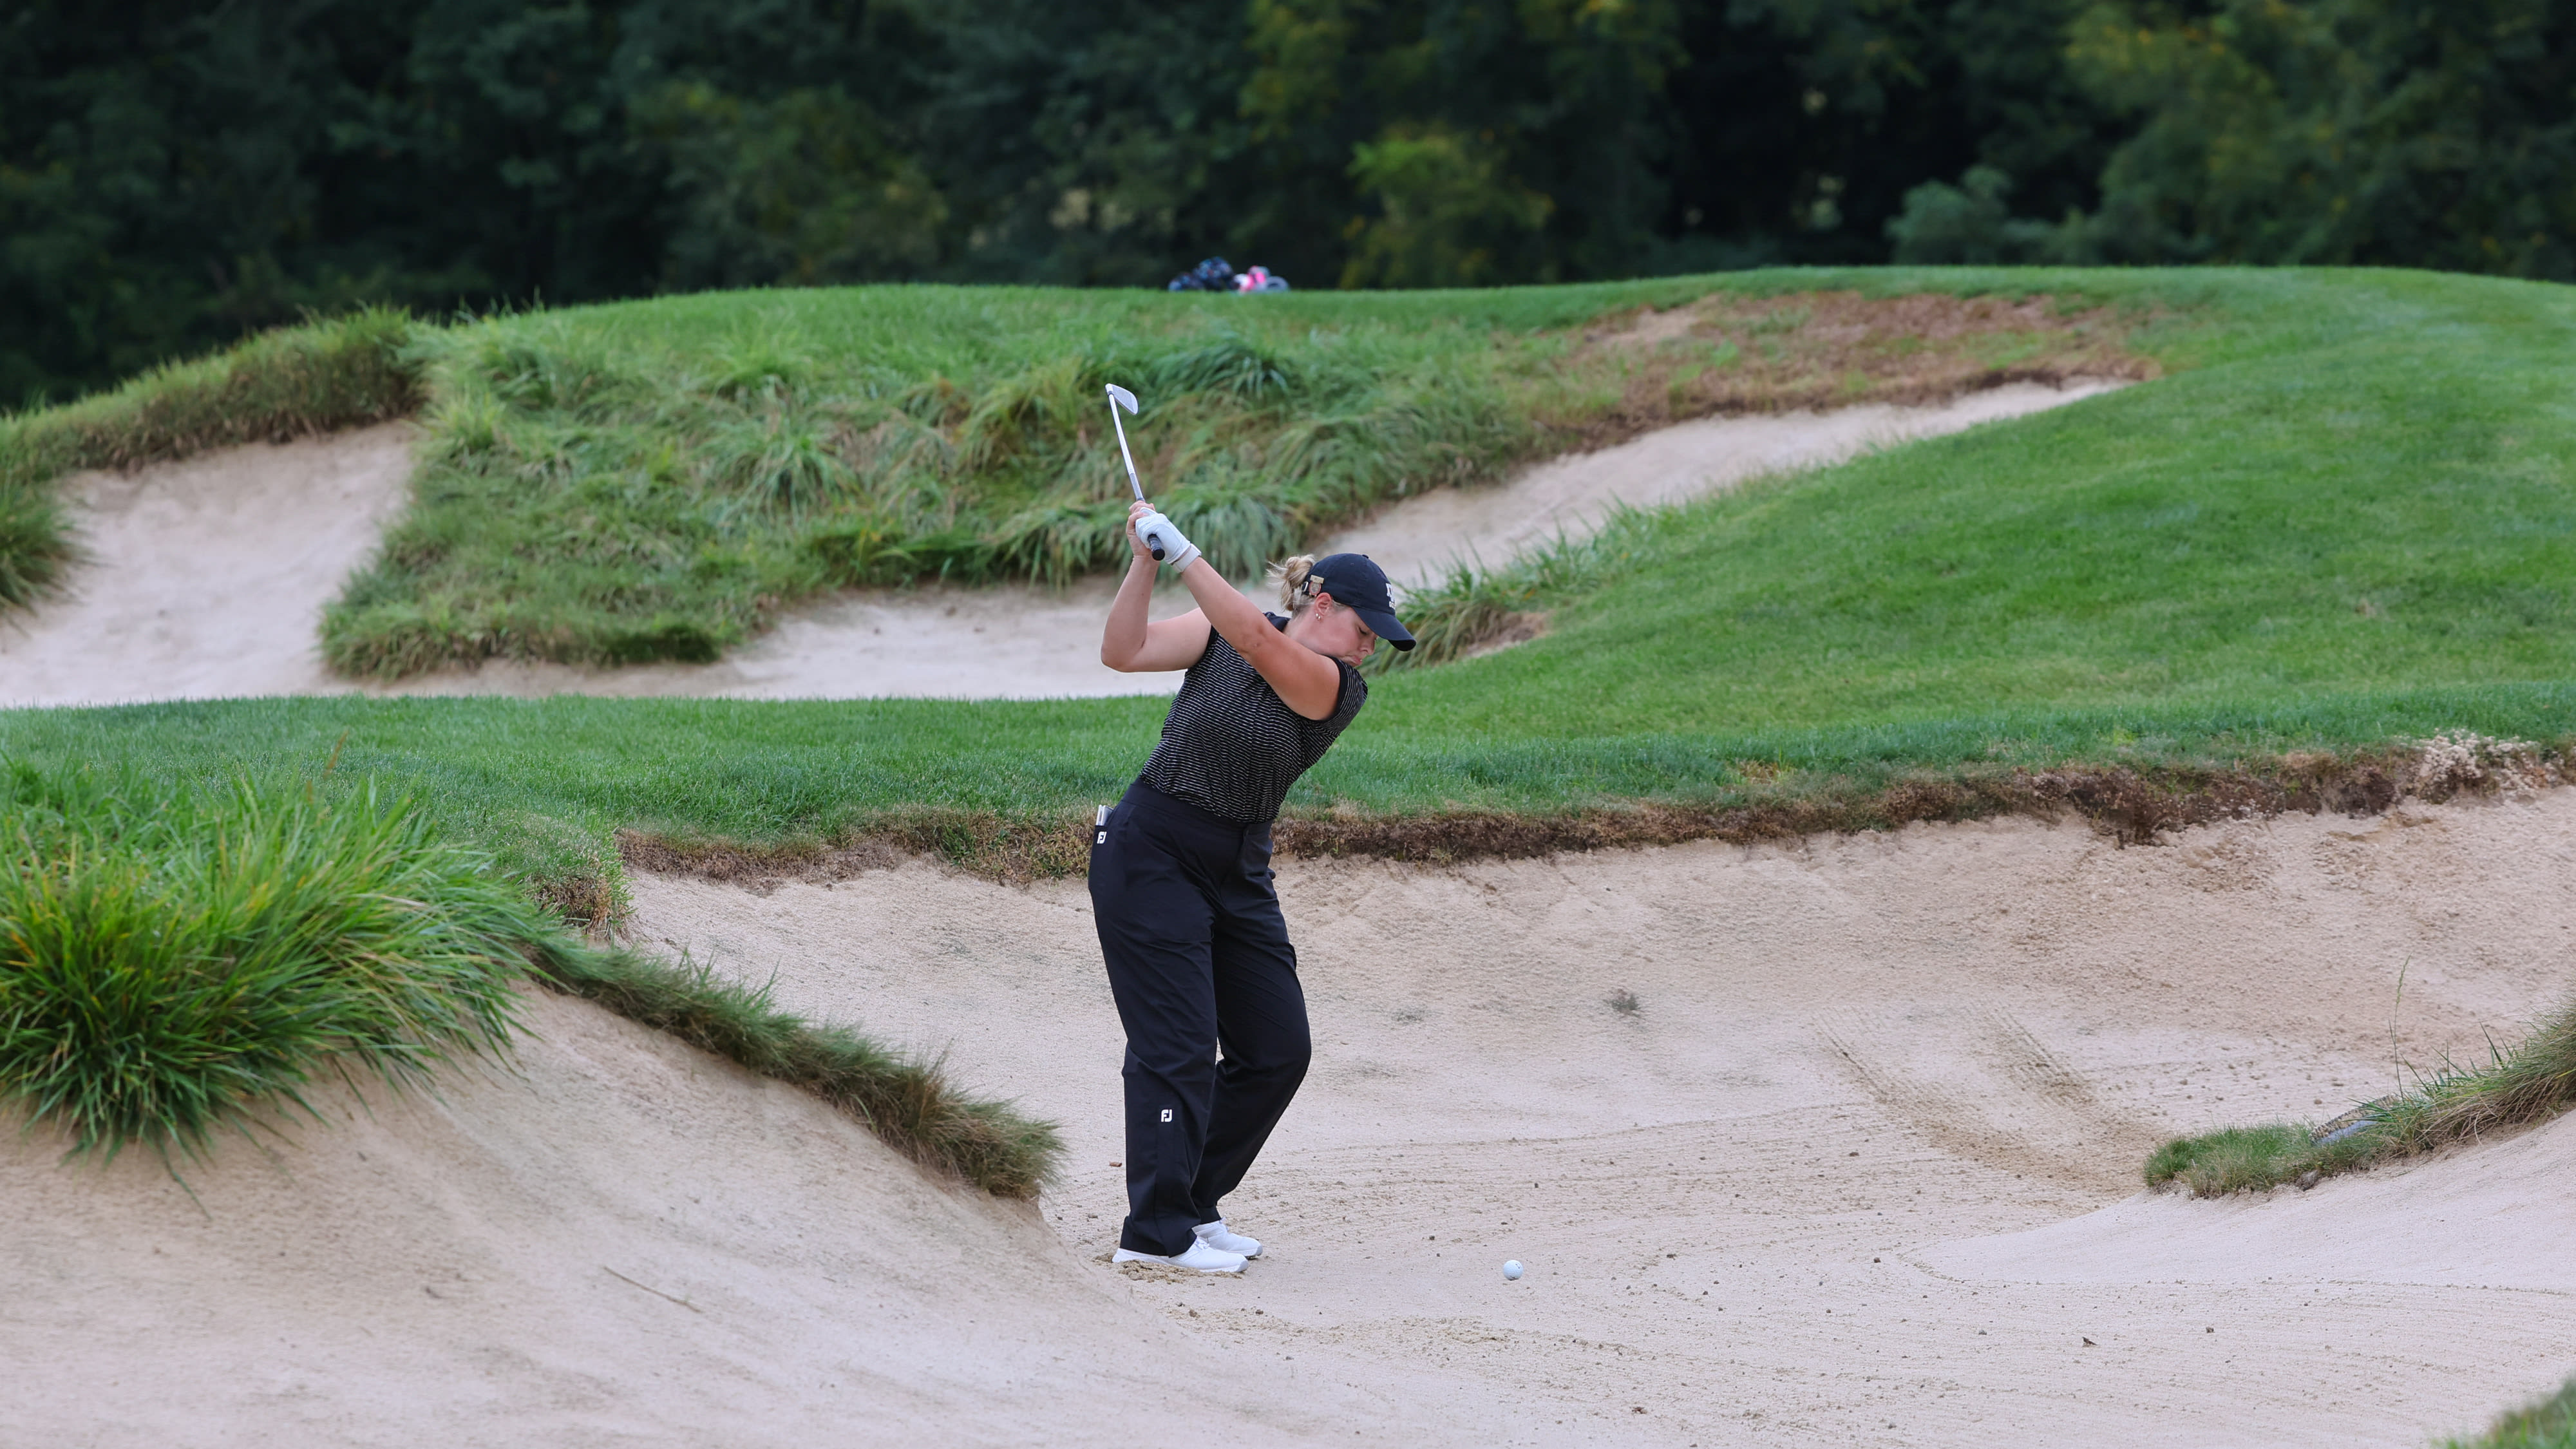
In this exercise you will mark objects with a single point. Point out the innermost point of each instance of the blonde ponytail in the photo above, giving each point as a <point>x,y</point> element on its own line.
<point>1296,580</point>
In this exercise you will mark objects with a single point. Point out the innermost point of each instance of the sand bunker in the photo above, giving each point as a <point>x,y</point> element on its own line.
<point>1857,1167</point>
<point>625,1242</point>
<point>208,577</point>
<point>1861,1165</point>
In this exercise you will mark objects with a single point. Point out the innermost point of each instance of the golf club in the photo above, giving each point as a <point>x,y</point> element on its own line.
<point>1120,397</point>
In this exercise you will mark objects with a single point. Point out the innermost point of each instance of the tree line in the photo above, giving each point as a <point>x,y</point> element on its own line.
<point>175,174</point>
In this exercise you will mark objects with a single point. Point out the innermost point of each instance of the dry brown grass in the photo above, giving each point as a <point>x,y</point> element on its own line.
<point>2130,806</point>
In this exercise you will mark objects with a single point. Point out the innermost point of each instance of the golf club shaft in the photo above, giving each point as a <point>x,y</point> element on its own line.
<point>1123,453</point>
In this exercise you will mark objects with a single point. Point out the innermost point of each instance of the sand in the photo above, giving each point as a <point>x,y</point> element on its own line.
<point>207,578</point>
<point>1418,539</point>
<point>623,1242</point>
<point>1860,1167</point>
<point>1865,1155</point>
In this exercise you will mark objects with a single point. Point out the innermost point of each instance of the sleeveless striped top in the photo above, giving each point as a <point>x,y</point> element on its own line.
<point>1232,747</point>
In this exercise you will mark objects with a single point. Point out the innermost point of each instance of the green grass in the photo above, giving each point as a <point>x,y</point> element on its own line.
<point>546,784</point>
<point>2343,521</point>
<point>171,959</point>
<point>2360,482</point>
<point>176,958</point>
<point>2532,1081</point>
<point>2349,481</point>
<point>2547,1424</point>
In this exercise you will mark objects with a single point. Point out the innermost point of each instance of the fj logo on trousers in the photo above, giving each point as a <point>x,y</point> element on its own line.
<point>1167,1114</point>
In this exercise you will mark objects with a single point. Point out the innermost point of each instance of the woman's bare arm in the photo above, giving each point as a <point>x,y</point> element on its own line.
<point>1309,682</point>
<point>1130,645</point>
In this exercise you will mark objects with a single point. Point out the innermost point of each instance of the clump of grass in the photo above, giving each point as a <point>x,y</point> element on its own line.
<point>172,959</point>
<point>2547,1424</point>
<point>2534,1080</point>
<point>325,375</point>
<point>907,1101</point>
<point>1476,604</point>
<point>2254,1158</point>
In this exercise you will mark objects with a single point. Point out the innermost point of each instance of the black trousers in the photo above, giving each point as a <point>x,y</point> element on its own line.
<point>1199,959</point>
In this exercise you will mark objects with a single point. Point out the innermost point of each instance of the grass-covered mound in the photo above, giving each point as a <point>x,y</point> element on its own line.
<point>176,959</point>
<point>2361,482</point>
<point>656,480</point>
<point>2530,1082</point>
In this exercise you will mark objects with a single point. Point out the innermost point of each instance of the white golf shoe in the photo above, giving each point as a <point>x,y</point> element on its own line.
<point>1215,1236</point>
<point>1200,1258</point>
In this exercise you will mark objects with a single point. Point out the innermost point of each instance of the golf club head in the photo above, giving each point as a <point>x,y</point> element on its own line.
<point>1122,397</point>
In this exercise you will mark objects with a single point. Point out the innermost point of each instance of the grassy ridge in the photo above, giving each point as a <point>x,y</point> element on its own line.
<point>547,784</point>
<point>905,1100</point>
<point>176,956</point>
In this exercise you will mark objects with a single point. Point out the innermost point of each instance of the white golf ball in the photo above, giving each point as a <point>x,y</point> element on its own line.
<point>1512,1271</point>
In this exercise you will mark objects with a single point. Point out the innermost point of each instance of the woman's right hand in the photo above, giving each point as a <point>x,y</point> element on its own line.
<point>1135,541</point>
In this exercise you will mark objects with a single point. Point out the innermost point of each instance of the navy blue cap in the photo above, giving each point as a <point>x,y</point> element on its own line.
<point>1359,585</point>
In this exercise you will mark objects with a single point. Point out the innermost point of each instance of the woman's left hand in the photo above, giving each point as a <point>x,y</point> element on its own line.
<point>1137,512</point>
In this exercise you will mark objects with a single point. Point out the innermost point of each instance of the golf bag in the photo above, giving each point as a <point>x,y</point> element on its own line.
<point>1216,275</point>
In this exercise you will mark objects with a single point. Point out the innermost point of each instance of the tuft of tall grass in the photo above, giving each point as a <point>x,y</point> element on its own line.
<point>1476,604</point>
<point>2214,1164</point>
<point>2549,1423</point>
<point>327,374</point>
<point>2530,1082</point>
<point>172,958</point>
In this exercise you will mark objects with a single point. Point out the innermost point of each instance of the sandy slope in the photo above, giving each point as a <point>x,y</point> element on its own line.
<point>208,577</point>
<point>629,1243</point>
<point>1861,1168</point>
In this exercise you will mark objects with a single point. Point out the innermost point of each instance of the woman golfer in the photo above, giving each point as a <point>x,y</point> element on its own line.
<point>1180,875</point>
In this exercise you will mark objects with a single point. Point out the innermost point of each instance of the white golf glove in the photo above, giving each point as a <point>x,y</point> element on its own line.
<point>1163,539</point>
